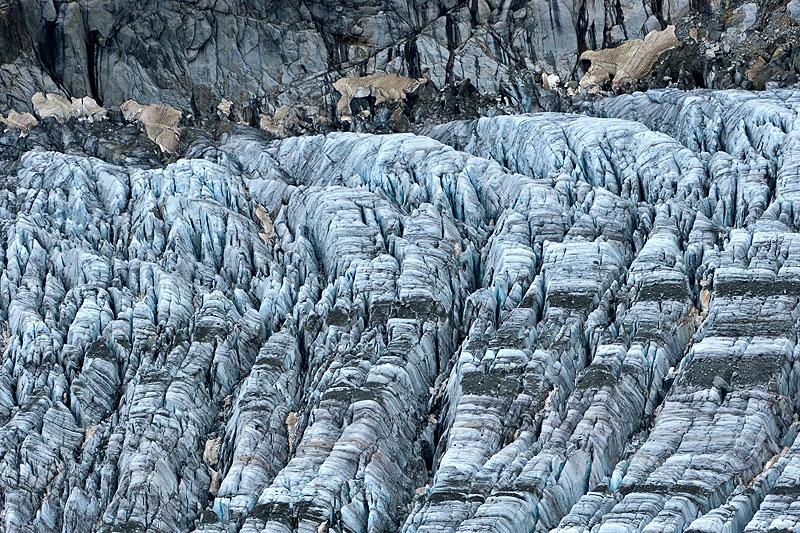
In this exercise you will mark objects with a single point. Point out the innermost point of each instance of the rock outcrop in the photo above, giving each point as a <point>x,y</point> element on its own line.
<point>268,55</point>
<point>549,322</point>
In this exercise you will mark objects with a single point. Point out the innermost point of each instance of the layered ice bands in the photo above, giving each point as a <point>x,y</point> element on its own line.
<point>539,323</point>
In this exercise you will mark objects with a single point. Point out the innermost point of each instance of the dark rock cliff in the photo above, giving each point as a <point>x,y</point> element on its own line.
<point>263,55</point>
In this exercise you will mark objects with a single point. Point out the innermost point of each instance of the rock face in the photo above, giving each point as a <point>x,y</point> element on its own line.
<point>273,54</point>
<point>552,322</point>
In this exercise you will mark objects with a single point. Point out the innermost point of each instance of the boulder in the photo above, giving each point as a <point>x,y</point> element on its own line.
<point>630,62</point>
<point>159,121</point>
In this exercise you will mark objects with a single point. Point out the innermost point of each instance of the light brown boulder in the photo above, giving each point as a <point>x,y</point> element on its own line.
<point>211,451</point>
<point>550,81</point>
<point>23,122</point>
<point>58,107</point>
<point>629,62</point>
<point>384,87</point>
<point>225,107</point>
<point>160,123</point>
<point>291,426</point>
<point>266,224</point>
<point>51,105</point>
<point>87,108</point>
<point>284,119</point>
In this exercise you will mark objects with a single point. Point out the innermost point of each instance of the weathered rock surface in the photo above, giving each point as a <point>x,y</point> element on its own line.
<point>267,55</point>
<point>550,322</point>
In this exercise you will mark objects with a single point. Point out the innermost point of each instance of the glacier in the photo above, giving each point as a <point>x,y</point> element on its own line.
<point>556,322</point>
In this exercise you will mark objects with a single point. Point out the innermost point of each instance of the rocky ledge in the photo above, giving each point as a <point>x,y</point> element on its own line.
<point>554,322</point>
<point>265,57</point>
